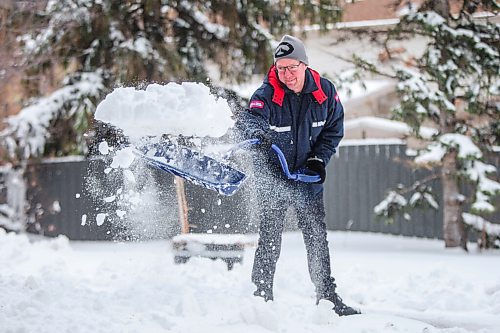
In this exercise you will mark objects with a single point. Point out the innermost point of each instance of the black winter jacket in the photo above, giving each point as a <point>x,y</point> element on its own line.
<point>309,124</point>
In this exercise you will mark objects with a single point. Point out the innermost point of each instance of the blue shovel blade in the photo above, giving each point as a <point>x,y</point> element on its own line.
<point>192,166</point>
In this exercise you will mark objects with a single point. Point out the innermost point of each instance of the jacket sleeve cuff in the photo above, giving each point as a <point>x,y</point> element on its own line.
<point>315,158</point>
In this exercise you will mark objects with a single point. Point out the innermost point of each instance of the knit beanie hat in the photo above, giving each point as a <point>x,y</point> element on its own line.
<point>292,48</point>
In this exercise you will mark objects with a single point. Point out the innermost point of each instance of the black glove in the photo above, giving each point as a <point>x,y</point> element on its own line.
<point>317,165</point>
<point>264,138</point>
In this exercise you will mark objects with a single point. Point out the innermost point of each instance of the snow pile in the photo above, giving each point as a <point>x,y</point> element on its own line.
<point>402,285</point>
<point>186,109</point>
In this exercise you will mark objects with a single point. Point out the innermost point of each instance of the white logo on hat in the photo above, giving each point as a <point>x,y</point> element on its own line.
<point>283,49</point>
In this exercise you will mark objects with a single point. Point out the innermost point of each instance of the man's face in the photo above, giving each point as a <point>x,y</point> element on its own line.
<point>292,73</point>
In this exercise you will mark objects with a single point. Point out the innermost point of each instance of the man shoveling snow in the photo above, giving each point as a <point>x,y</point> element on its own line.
<point>300,112</point>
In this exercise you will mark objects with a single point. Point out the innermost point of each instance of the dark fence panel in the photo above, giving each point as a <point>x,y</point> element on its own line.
<point>214,213</point>
<point>63,194</point>
<point>359,177</point>
<point>59,202</point>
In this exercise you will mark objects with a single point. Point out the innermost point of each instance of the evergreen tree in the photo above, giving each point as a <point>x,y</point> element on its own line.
<point>455,86</point>
<point>114,43</point>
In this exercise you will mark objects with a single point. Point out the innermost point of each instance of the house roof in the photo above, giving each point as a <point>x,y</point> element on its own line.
<point>368,10</point>
<point>375,127</point>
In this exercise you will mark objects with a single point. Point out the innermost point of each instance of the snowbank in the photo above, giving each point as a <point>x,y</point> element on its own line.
<point>402,285</point>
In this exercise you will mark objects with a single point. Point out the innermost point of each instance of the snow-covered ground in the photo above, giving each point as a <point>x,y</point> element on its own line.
<point>402,285</point>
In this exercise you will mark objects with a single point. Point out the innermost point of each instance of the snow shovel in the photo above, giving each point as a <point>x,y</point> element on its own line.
<point>206,171</point>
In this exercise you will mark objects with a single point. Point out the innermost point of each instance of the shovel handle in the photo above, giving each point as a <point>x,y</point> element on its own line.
<point>302,177</point>
<point>240,145</point>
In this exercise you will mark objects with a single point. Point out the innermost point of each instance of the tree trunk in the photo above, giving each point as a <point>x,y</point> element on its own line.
<point>453,227</point>
<point>442,7</point>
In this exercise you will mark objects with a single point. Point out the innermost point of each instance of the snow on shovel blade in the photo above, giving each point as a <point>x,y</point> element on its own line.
<point>192,166</point>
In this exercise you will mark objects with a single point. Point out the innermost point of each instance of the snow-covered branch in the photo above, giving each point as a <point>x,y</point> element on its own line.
<point>436,150</point>
<point>488,233</point>
<point>481,224</point>
<point>473,168</point>
<point>486,188</point>
<point>60,13</point>
<point>221,32</point>
<point>27,132</point>
<point>395,203</point>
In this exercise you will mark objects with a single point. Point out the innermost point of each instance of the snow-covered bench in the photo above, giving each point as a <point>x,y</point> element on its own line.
<point>229,248</point>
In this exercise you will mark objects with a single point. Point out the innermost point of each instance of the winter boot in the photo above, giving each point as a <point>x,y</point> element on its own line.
<point>340,307</point>
<point>266,294</point>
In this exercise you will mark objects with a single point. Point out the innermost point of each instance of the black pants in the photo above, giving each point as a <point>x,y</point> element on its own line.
<point>273,204</point>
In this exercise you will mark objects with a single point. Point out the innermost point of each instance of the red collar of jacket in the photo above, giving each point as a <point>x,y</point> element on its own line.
<point>279,92</point>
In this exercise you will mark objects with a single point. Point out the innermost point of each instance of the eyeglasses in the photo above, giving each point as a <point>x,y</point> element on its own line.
<point>291,68</point>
